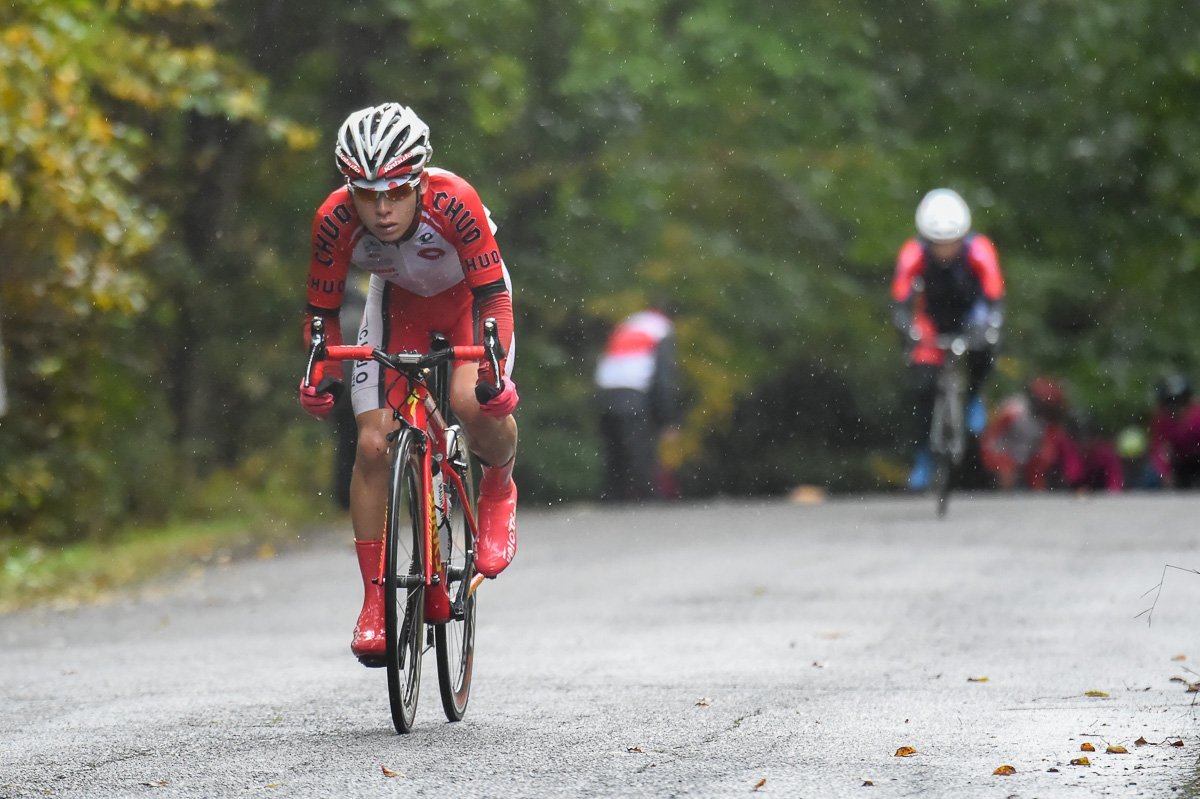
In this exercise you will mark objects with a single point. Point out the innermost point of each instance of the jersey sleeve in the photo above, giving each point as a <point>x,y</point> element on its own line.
<point>462,215</point>
<point>985,263</point>
<point>333,230</point>
<point>909,264</point>
<point>459,211</point>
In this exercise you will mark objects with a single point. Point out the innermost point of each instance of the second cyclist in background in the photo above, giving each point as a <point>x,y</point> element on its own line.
<point>947,281</point>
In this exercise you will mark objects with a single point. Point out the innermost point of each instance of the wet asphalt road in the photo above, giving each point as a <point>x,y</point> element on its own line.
<point>689,650</point>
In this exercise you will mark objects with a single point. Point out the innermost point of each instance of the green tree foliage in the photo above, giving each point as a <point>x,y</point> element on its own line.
<point>89,90</point>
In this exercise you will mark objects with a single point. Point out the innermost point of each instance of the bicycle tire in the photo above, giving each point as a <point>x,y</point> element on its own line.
<point>941,449</point>
<point>943,478</point>
<point>404,589</point>
<point>454,641</point>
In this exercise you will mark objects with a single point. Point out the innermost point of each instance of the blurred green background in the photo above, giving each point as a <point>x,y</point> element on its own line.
<point>160,162</point>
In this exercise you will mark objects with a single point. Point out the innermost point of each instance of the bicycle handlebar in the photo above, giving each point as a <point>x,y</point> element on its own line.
<point>404,361</point>
<point>958,343</point>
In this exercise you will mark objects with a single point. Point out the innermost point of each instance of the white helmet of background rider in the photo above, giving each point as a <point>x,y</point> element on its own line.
<point>383,147</point>
<point>943,216</point>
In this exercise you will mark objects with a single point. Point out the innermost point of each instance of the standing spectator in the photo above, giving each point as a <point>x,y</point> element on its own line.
<point>1175,434</point>
<point>947,280</point>
<point>638,392</point>
<point>1027,445</point>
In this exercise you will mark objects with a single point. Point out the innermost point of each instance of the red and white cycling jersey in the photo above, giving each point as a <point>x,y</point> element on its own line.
<point>442,278</point>
<point>454,243</point>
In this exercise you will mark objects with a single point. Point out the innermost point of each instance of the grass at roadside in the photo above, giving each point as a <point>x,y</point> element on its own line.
<point>32,574</point>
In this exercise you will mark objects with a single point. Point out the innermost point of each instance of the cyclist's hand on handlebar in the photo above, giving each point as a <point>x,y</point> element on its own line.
<point>318,397</point>
<point>497,404</point>
<point>983,335</point>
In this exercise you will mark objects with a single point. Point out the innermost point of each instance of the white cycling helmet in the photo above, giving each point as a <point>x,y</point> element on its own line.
<point>382,147</point>
<point>943,216</point>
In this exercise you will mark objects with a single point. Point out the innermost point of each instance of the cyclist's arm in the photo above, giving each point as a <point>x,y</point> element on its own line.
<point>494,301</point>
<point>333,230</point>
<point>465,216</point>
<point>985,263</point>
<point>910,264</point>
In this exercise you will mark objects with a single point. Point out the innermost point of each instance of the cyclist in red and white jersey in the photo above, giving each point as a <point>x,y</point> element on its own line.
<point>429,244</point>
<point>947,281</point>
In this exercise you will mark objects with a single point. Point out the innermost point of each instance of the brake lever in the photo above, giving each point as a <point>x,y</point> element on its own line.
<point>491,342</point>
<point>317,352</point>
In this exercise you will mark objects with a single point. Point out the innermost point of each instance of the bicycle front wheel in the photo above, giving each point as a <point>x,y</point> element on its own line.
<point>941,445</point>
<point>943,476</point>
<point>404,589</point>
<point>455,640</point>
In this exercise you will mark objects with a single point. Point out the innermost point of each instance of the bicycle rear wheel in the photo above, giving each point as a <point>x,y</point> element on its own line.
<point>455,640</point>
<point>404,589</point>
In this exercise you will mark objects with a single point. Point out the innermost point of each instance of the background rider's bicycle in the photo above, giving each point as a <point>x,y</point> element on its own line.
<point>428,564</point>
<point>948,428</point>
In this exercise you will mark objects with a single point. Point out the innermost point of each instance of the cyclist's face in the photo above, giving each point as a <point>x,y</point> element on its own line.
<point>943,251</point>
<point>388,215</point>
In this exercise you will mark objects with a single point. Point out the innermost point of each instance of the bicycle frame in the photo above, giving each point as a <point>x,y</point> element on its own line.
<point>947,433</point>
<point>435,441</point>
<point>429,464</point>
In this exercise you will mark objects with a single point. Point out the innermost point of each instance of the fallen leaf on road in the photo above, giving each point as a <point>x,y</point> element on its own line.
<point>1095,693</point>
<point>867,783</point>
<point>1086,748</point>
<point>1117,750</point>
<point>634,749</point>
<point>1176,743</point>
<point>1005,771</point>
<point>1081,761</point>
<point>905,751</point>
<point>759,785</point>
<point>273,785</point>
<point>807,495</point>
<point>1052,768</point>
<point>387,772</point>
<point>1179,657</point>
<point>703,701</point>
<point>1141,741</point>
<point>977,679</point>
<point>1177,679</point>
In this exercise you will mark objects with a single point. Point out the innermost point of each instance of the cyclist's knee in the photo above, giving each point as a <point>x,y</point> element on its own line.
<point>372,442</point>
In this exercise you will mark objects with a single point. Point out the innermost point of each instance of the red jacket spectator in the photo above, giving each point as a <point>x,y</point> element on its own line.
<point>1027,443</point>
